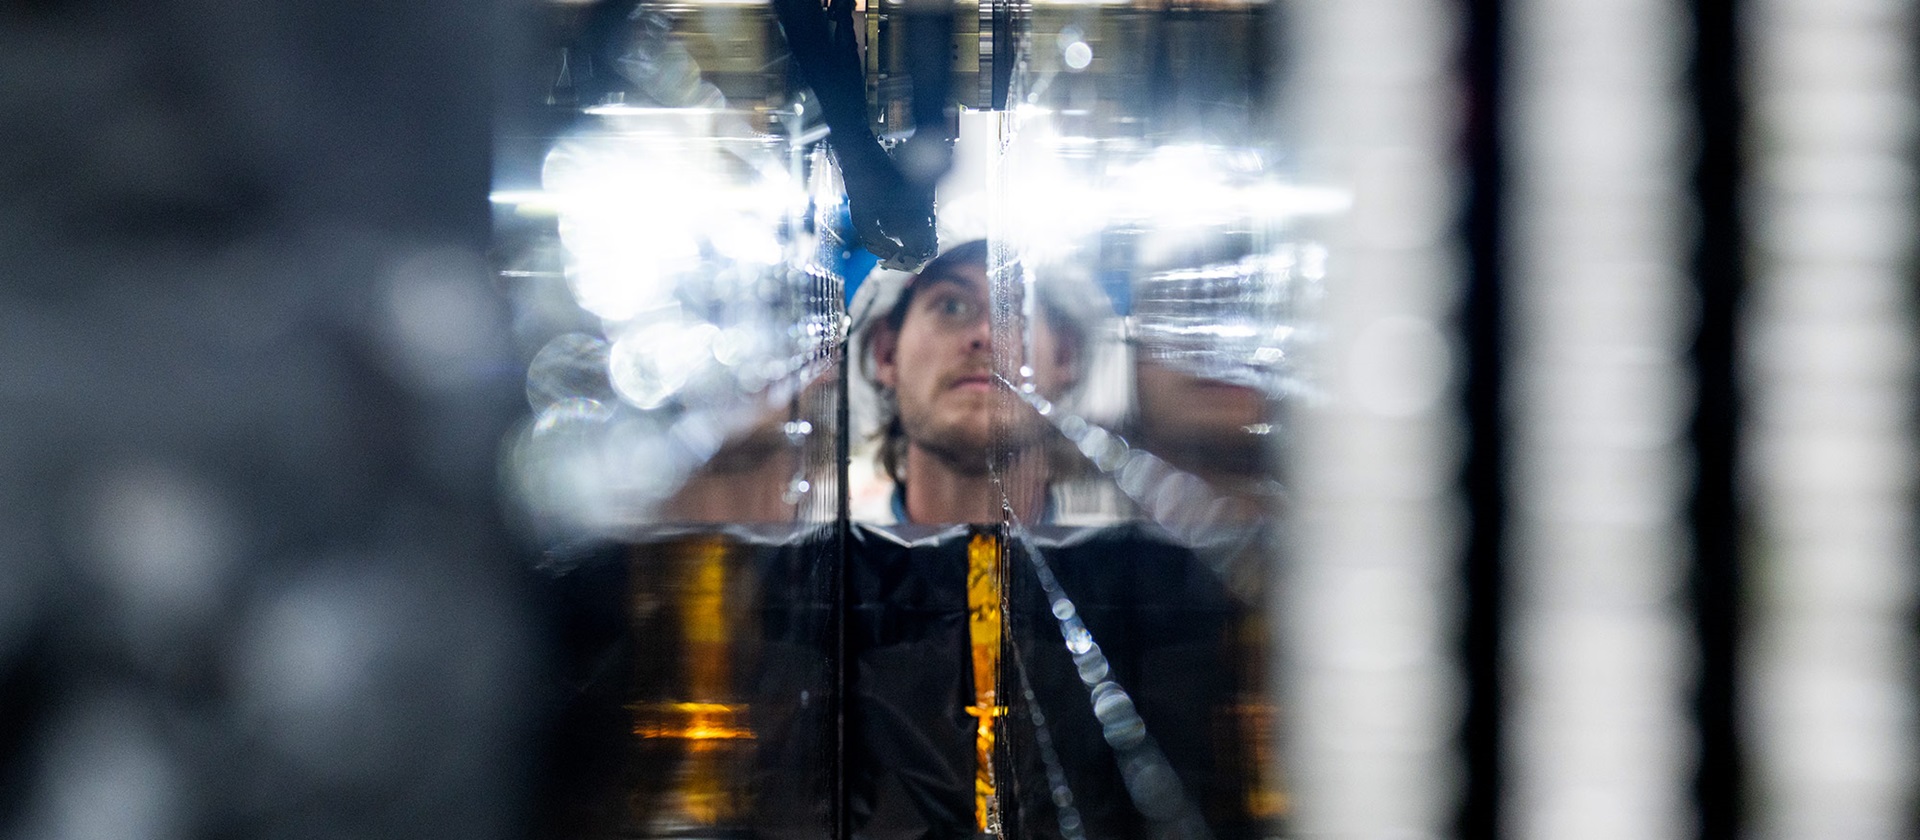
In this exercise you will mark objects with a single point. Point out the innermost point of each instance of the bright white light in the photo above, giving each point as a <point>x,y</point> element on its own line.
<point>651,364</point>
<point>627,278</point>
<point>622,109</point>
<point>650,217</point>
<point>1071,188</point>
<point>517,196</point>
<point>1077,55</point>
<point>625,244</point>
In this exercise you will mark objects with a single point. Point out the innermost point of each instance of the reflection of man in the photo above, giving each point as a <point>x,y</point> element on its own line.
<point>924,708</point>
<point>752,477</point>
<point>1207,427</point>
<point>1208,344</point>
<point>1219,432</point>
<point>924,629</point>
<point>932,358</point>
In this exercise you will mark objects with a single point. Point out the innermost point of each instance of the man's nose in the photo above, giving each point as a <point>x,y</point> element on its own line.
<point>980,337</point>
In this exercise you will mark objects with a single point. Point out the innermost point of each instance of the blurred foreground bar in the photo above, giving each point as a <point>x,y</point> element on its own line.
<point>1829,470</point>
<point>1599,647</point>
<point>1372,695</point>
<point>252,582</point>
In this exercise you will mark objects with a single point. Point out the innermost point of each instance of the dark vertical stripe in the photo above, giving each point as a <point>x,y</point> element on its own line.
<point>843,525</point>
<point>1008,20</point>
<point>1483,477</point>
<point>1719,272</point>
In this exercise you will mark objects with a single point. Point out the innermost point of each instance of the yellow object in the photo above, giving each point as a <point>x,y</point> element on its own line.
<point>712,730</point>
<point>985,630</point>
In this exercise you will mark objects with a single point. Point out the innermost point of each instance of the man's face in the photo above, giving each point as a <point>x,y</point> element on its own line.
<point>1192,420</point>
<point>939,366</point>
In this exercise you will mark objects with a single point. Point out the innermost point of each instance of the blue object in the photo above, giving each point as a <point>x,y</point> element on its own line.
<point>1119,289</point>
<point>855,262</point>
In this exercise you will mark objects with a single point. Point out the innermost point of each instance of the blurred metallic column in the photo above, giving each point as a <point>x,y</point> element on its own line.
<point>1829,472</point>
<point>252,578</point>
<point>1598,641</point>
<point>1371,694</point>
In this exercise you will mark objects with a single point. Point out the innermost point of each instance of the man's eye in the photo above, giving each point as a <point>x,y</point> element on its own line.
<point>958,309</point>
